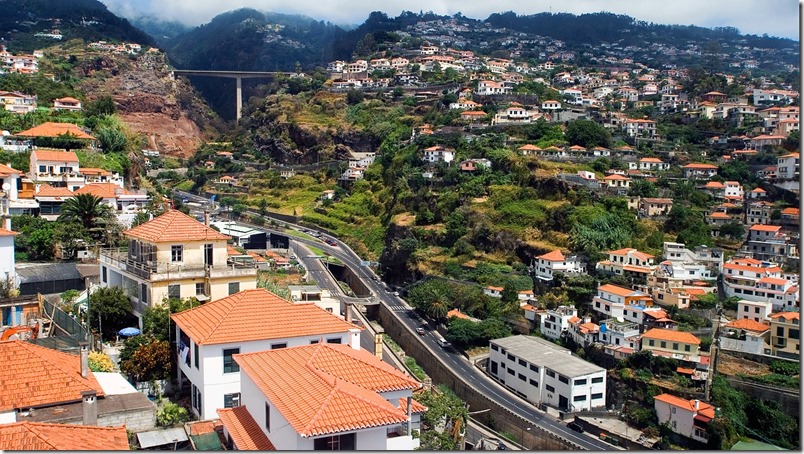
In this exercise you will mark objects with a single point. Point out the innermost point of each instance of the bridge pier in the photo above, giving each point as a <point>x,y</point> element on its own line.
<point>239,97</point>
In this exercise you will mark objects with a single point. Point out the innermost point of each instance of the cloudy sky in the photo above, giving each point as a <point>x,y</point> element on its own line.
<point>774,17</point>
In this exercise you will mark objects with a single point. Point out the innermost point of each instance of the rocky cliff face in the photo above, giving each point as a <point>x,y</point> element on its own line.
<point>168,112</point>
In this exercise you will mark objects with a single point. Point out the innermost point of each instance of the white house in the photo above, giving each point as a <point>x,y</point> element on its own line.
<point>66,103</point>
<point>58,168</point>
<point>745,335</point>
<point>639,128</point>
<point>696,171</point>
<point>7,263</point>
<point>787,166</point>
<point>546,265</point>
<point>248,321</point>
<point>315,294</point>
<point>492,291</point>
<point>685,417</point>
<point>612,300</point>
<point>755,280</point>
<point>627,261</point>
<point>650,164</point>
<point>323,397</point>
<point>619,333</point>
<point>758,311</point>
<point>489,87</point>
<point>438,153</point>
<point>554,322</point>
<point>541,372</point>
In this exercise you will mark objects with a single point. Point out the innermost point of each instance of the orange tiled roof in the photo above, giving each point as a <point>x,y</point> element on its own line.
<point>47,190</point>
<point>791,211</point>
<point>457,313</point>
<point>35,376</point>
<point>230,250</point>
<point>68,99</point>
<point>415,405</point>
<point>4,232</point>
<point>94,171</point>
<point>714,185</point>
<point>53,155</point>
<point>54,130</point>
<point>102,190</point>
<point>37,436</point>
<point>174,226</point>
<point>6,170</point>
<point>554,256</point>
<point>253,315</point>
<point>530,147</point>
<point>703,407</point>
<point>772,281</point>
<point>613,289</point>
<point>765,228</point>
<point>671,335</point>
<point>699,166</point>
<point>787,315</point>
<point>327,388</point>
<point>244,430</point>
<point>748,325</point>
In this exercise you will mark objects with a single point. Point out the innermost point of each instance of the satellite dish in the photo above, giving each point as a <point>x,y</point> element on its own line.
<point>620,319</point>
<point>6,187</point>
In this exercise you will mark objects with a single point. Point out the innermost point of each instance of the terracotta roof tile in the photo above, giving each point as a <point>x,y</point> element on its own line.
<point>327,388</point>
<point>47,190</point>
<point>257,314</point>
<point>457,313</point>
<point>748,325</point>
<point>35,376</point>
<point>174,226</point>
<point>94,171</point>
<point>699,166</point>
<point>415,405</point>
<point>554,256</point>
<point>102,190</point>
<point>54,130</point>
<point>703,407</point>
<point>6,170</point>
<point>33,436</point>
<point>4,232</point>
<point>765,228</point>
<point>671,335</point>
<point>786,315</point>
<point>53,155</point>
<point>246,434</point>
<point>530,147</point>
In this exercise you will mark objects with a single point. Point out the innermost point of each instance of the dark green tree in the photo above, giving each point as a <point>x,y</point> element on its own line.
<point>587,133</point>
<point>643,188</point>
<point>89,211</point>
<point>111,307</point>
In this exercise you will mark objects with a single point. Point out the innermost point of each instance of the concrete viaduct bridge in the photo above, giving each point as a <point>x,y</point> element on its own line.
<point>237,75</point>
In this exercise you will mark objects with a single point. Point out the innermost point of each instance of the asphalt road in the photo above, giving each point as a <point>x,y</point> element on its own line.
<point>458,363</point>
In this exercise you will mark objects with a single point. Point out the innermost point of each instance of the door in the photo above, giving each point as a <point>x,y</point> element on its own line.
<point>563,402</point>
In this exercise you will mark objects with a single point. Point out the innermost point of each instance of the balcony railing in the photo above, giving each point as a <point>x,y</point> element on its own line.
<point>155,271</point>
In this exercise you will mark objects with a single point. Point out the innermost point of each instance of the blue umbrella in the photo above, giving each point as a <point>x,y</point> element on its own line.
<point>128,332</point>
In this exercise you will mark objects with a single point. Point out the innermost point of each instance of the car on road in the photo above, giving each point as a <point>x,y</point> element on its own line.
<point>420,331</point>
<point>396,293</point>
<point>575,426</point>
<point>444,343</point>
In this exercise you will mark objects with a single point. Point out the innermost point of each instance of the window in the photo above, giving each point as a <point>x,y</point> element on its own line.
<point>579,398</point>
<point>199,288</point>
<point>345,442</point>
<point>267,417</point>
<point>234,287</point>
<point>314,341</point>
<point>597,396</point>
<point>686,348</point>
<point>780,331</point>
<point>502,350</point>
<point>675,345</point>
<point>278,346</point>
<point>334,340</point>
<point>177,253</point>
<point>580,382</point>
<point>195,355</point>
<point>756,310</point>
<point>42,169</point>
<point>208,254</point>
<point>511,357</point>
<point>104,278</point>
<point>196,399</point>
<point>563,379</point>
<point>495,348</point>
<point>534,368</point>
<point>534,383</point>
<point>597,380</point>
<point>174,291</point>
<point>522,377</point>
<point>511,371</point>
<point>229,364</point>
<point>792,334</point>
<point>673,410</point>
<point>663,344</point>
<point>650,342</point>
<point>522,362</point>
<point>231,400</point>
<point>144,293</point>
<point>549,388</point>
<point>550,373</point>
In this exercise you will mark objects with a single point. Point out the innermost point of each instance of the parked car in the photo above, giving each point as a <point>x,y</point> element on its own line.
<point>575,426</point>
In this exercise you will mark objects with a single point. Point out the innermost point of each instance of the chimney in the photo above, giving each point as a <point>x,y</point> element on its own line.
<point>378,345</point>
<point>206,217</point>
<point>697,404</point>
<point>89,407</point>
<point>84,359</point>
<point>348,311</point>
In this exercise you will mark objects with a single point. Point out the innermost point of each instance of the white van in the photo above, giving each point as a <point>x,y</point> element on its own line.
<point>444,343</point>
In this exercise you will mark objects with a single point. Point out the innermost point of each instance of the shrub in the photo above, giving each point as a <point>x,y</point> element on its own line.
<point>100,362</point>
<point>785,368</point>
<point>170,414</point>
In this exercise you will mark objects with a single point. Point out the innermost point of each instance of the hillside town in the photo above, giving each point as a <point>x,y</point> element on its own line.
<point>645,295</point>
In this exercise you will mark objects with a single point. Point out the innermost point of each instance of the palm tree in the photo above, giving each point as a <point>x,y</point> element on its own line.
<point>88,210</point>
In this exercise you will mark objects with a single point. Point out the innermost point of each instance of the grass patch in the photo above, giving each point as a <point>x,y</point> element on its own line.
<point>415,368</point>
<point>391,343</point>
<point>783,381</point>
<point>297,234</point>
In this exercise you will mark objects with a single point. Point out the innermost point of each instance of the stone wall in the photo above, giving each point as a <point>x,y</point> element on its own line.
<point>789,400</point>
<point>497,418</point>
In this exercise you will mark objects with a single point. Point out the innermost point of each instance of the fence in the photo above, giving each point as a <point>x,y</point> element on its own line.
<point>67,324</point>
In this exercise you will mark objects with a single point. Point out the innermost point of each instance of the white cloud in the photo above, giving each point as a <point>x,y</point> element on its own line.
<point>774,17</point>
